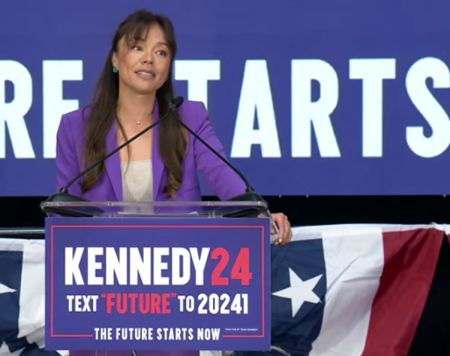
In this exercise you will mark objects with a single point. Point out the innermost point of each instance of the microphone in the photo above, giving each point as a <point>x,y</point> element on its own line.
<point>249,195</point>
<point>64,196</point>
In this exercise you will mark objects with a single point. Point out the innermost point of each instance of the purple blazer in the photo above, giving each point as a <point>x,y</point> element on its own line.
<point>221,179</point>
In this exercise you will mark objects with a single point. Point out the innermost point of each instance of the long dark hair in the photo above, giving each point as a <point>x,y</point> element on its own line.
<point>173,139</point>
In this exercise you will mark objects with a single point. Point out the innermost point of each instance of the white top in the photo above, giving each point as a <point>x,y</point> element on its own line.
<point>137,181</point>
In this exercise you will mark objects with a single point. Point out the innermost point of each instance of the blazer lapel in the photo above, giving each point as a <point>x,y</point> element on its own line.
<point>157,163</point>
<point>113,168</point>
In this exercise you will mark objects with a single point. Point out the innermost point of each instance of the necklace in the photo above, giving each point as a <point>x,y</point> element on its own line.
<point>140,122</point>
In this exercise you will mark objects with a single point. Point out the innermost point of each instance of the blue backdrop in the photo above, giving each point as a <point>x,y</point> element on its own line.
<point>308,97</point>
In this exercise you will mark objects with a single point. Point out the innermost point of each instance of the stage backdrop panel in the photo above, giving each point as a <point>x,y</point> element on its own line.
<point>308,97</point>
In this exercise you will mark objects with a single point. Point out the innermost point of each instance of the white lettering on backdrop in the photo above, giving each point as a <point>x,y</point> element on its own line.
<point>310,119</point>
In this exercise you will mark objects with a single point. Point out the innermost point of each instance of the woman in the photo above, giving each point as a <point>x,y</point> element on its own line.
<point>162,164</point>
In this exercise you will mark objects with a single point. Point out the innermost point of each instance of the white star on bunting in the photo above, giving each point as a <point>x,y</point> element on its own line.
<point>299,291</point>
<point>5,289</point>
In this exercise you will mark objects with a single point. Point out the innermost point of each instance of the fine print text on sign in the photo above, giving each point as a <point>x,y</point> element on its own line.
<point>192,284</point>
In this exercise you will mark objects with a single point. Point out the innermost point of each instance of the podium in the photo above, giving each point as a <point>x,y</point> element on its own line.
<point>157,276</point>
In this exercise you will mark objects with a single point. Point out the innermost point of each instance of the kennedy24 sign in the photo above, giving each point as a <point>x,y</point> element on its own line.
<point>157,284</point>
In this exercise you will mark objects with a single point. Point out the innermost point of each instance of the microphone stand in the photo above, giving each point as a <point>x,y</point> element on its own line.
<point>249,195</point>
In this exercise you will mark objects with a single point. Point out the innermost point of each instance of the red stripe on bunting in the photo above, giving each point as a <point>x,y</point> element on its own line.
<point>410,263</point>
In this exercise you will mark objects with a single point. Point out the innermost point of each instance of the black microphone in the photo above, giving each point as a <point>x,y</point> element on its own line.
<point>64,196</point>
<point>249,195</point>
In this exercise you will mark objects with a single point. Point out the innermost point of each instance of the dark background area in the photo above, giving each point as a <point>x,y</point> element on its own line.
<point>433,334</point>
<point>313,210</point>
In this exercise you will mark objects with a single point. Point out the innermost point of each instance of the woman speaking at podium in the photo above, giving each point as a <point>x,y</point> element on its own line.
<point>160,165</point>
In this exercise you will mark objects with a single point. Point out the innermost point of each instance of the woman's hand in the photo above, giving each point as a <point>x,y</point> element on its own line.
<point>283,226</point>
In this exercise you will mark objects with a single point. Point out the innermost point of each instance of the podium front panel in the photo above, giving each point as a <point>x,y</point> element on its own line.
<point>157,284</point>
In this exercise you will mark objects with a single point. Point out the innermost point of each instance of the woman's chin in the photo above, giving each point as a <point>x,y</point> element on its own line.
<point>147,90</point>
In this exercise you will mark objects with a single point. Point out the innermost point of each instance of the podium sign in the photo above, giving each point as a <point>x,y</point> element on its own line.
<point>157,283</point>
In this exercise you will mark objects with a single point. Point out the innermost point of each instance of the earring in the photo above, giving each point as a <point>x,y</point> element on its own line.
<point>115,69</point>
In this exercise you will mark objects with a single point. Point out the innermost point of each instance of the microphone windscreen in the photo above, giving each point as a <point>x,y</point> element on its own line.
<point>178,101</point>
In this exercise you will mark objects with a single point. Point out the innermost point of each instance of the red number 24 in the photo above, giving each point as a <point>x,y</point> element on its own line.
<point>240,270</point>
